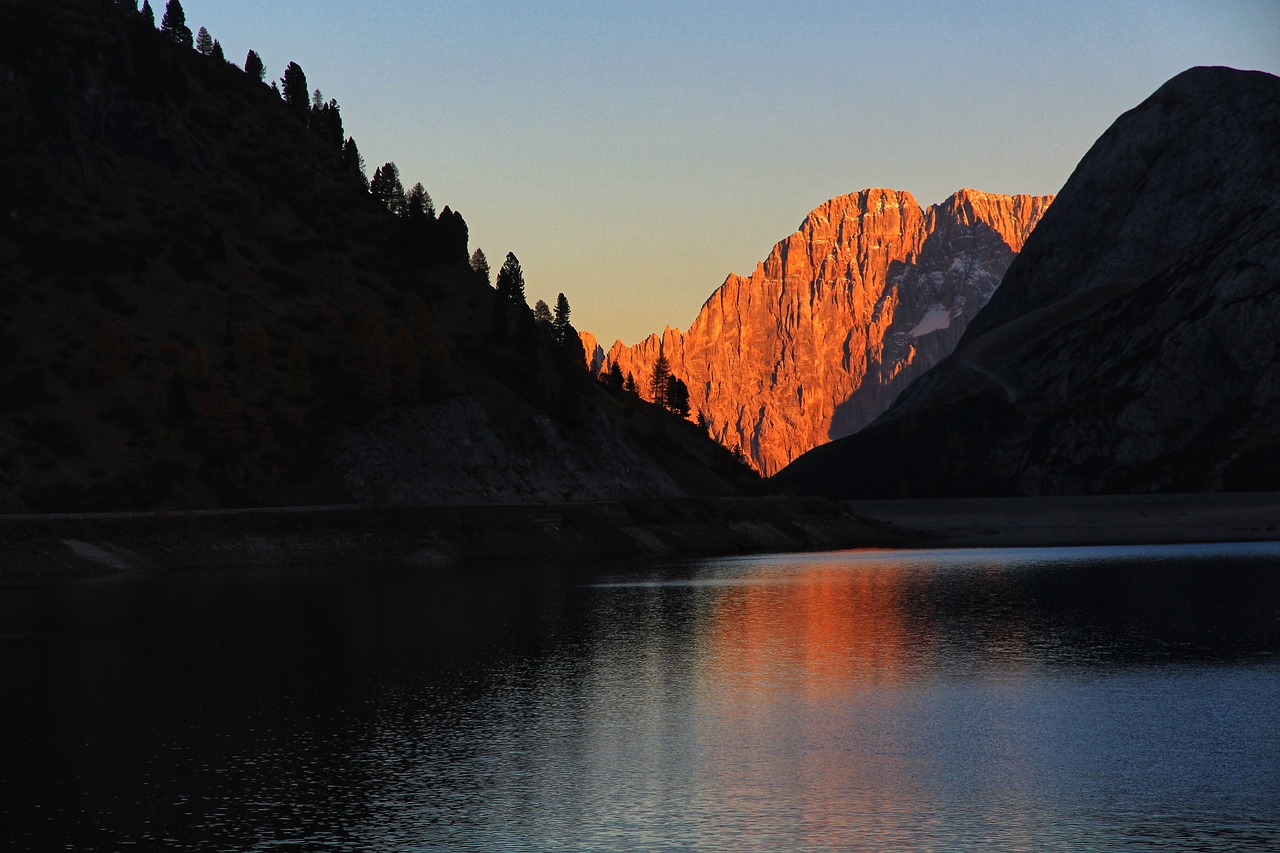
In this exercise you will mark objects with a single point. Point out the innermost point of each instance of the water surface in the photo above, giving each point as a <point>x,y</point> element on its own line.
<point>1037,699</point>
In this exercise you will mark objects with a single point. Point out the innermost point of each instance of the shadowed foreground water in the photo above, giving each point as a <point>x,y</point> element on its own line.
<point>1054,699</point>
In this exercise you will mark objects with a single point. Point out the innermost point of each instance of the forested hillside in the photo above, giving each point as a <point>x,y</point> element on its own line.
<point>204,298</point>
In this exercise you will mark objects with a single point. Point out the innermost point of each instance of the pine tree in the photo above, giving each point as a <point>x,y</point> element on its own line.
<point>353,162</point>
<point>615,379</point>
<point>511,280</point>
<point>561,321</point>
<point>253,66</point>
<point>480,266</point>
<point>419,204</point>
<point>148,14</point>
<point>658,380</point>
<point>542,314</point>
<point>174,23</point>
<point>387,189</point>
<point>294,87</point>
<point>629,385</point>
<point>217,51</point>
<point>677,396</point>
<point>204,42</point>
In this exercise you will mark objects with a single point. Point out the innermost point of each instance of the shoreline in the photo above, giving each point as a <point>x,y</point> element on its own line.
<point>436,535</point>
<point>430,535</point>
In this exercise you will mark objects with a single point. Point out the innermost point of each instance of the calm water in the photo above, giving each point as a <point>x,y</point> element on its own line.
<point>1060,699</point>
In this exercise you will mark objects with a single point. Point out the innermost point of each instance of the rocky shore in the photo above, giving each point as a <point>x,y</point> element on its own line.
<point>429,535</point>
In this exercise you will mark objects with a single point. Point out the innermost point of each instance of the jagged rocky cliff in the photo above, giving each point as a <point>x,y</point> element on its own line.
<point>1134,344</point>
<point>870,292</point>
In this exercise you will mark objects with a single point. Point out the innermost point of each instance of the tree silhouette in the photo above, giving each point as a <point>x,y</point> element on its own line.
<point>572,347</point>
<point>614,379</point>
<point>658,380</point>
<point>326,120</point>
<point>204,42</point>
<point>677,396</point>
<point>480,265</point>
<point>294,88</point>
<point>217,51</point>
<point>561,321</point>
<point>542,314</point>
<point>511,281</point>
<point>629,384</point>
<point>387,189</point>
<point>253,66</point>
<point>174,23</point>
<point>148,14</point>
<point>353,162</point>
<point>419,202</point>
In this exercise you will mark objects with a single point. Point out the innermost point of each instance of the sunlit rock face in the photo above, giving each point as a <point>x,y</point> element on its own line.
<point>870,292</point>
<point>1134,344</point>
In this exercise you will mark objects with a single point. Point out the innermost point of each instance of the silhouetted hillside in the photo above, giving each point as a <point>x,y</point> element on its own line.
<point>202,301</point>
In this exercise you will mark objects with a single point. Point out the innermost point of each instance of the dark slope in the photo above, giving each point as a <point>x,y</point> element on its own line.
<point>199,306</point>
<point>1133,345</point>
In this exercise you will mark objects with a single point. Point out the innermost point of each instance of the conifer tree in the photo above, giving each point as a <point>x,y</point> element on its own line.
<point>615,379</point>
<point>677,396</point>
<point>629,384</point>
<point>353,162</point>
<point>561,321</point>
<point>386,188</point>
<point>419,203</point>
<point>204,42</point>
<point>542,314</point>
<point>148,14</point>
<point>217,51</point>
<point>253,66</point>
<point>174,23</point>
<point>480,265</point>
<point>658,380</point>
<point>511,280</point>
<point>294,87</point>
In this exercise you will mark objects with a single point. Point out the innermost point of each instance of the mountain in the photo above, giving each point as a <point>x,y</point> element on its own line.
<point>866,295</point>
<point>1133,345</point>
<point>204,303</point>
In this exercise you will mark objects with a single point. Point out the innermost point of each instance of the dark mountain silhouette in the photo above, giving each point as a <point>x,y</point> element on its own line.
<point>1133,345</point>
<point>203,304</point>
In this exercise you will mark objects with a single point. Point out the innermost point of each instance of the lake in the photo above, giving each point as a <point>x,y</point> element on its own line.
<point>1032,699</point>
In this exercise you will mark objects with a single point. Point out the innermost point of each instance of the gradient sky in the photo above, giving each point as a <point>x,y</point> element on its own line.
<point>634,154</point>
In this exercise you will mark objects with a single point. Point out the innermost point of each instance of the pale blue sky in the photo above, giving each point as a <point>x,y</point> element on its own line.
<point>633,154</point>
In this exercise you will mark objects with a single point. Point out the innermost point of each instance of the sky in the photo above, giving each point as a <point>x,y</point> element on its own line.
<point>633,154</point>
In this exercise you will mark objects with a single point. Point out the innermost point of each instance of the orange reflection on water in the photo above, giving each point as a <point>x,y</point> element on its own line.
<point>816,631</point>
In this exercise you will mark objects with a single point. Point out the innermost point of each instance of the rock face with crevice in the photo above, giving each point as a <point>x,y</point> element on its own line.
<point>869,293</point>
<point>1134,344</point>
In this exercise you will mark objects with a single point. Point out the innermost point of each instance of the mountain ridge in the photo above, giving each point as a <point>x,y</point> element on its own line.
<point>1132,346</point>
<point>869,291</point>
